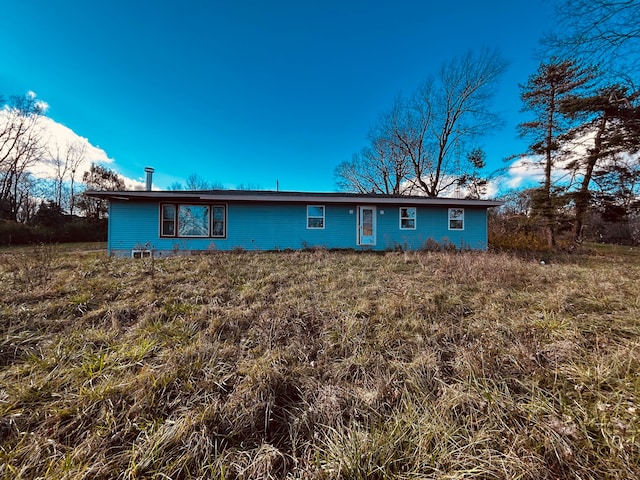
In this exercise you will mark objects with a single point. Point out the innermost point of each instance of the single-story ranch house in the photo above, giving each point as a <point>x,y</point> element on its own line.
<point>172,222</point>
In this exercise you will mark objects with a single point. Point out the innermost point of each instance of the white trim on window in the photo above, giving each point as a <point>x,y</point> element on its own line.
<point>315,217</point>
<point>408,218</point>
<point>456,219</point>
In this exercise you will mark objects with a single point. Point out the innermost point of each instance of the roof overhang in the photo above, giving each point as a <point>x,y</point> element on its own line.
<point>269,196</point>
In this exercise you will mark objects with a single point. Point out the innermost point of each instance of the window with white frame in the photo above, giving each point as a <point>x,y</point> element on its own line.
<point>456,219</point>
<point>315,216</point>
<point>407,218</point>
<point>193,220</point>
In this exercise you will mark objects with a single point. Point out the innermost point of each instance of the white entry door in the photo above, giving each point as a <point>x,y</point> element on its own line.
<point>367,225</point>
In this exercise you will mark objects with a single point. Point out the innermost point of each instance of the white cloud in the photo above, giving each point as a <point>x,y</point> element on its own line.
<point>59,138</point>
<point>528,171</point>
<point>56,140</point>
<point>525,171</point>
<point>41,104</point>
<point>491,190</point>
<point>132,184</point>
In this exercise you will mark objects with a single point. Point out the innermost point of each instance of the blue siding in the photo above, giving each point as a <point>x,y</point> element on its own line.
<point>431,223</point>
<point>277,226</point>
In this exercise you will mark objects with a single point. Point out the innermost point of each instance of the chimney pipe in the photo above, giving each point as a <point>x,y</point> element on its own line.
<point>149,172</point>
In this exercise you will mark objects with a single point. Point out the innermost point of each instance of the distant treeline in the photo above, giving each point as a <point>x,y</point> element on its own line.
<point>66,229</point>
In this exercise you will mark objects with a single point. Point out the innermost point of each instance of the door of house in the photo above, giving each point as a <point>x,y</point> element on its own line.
<point>367,226</point>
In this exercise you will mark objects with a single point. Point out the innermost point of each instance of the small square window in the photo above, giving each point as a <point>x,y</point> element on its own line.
<point>456,219</point>
<point>315,216</point>
<point>407,218</point>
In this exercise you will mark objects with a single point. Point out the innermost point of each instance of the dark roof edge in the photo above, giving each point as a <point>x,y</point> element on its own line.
<point>280,196</point>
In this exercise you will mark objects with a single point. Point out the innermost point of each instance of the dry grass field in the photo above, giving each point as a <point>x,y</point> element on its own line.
<point>319,365</point>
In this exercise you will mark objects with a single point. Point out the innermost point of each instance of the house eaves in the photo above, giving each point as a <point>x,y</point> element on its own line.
<point>269,196</point>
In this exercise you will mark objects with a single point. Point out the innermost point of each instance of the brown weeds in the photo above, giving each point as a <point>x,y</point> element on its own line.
<point>320,365</point>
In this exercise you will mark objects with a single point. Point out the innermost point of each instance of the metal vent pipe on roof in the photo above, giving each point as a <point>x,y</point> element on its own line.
<point>149,172</point>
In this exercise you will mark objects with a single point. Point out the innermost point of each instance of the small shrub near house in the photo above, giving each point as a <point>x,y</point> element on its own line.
<point>516,233</point>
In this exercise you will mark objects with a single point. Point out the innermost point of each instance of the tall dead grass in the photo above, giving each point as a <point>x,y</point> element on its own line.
<point>320,365</point>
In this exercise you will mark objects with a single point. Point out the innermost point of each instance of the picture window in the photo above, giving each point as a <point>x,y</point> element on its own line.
<point>193,220</point>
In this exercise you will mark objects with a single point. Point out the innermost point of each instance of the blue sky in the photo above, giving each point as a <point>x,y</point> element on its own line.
<point>252,92</point>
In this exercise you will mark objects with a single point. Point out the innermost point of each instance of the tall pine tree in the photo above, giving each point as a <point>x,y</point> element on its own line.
<point>542,96</point>
<point>611,121</point>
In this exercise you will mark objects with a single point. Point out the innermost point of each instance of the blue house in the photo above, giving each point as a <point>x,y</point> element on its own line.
<point>172,222</point>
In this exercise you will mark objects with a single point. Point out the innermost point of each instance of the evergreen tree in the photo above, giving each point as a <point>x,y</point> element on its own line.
<point>98,178</point>
<point>610,116</point>
<point>542,95</point>
<point>49,214</point>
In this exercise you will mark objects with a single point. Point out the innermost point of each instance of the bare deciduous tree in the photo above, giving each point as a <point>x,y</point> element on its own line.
<point>196,182</point>
<point>66,160</point>
<point>21,146</point>
<point>599,31</point>
<point>75,158</point>
<point>381,167</point>
<point>425,139</point>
